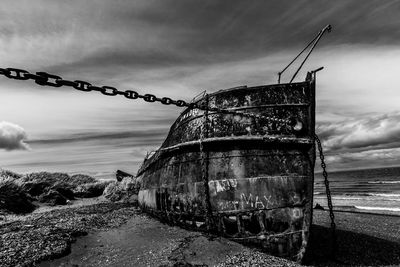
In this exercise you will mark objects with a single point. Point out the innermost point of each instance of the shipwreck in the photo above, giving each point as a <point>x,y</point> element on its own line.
<point>246,175</point>
<point>240,163</point>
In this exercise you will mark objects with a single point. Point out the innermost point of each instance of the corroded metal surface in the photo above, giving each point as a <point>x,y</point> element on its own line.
<point>259,173</point>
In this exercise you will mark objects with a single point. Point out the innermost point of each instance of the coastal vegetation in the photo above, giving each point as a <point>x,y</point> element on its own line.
<point>23,193</point>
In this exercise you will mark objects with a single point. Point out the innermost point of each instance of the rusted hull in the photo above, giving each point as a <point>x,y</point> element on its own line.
<point>248,178</point>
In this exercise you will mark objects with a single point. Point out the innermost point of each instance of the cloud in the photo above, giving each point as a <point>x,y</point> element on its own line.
<point>133,137</point>
<point>178,48</point>
<point>370,141</point>
<point>379,131</point>
<point>55,32</point>
<point>12,136</point>
<point>365,159</point>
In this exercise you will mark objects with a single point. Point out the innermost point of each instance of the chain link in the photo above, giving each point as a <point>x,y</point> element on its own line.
<point>328,195</point>
<point>46,79</point>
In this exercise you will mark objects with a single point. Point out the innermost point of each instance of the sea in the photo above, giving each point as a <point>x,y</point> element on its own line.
<point>367,190</point>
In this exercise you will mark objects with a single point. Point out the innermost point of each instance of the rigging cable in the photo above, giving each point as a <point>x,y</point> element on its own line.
<point>315,41</point>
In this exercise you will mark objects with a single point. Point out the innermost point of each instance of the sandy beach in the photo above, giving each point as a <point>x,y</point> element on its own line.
<point>101,233</point>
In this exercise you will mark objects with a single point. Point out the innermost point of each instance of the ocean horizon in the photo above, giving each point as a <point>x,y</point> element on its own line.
<point>375,190</point>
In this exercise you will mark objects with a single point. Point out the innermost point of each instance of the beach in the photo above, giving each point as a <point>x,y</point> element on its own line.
<point>102,233</point>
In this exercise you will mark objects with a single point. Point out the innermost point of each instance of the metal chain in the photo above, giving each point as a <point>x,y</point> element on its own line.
<point>46,79</point>
<point>328,195</point>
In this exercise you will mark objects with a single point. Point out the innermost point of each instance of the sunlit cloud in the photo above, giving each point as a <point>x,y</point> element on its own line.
<point>12,137</point>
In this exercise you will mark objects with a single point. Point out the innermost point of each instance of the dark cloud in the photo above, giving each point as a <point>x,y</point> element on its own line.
<point>259,26</point>
<point>365,159</point>
<point>12,137</point>
<point>143,137</point>
<point>165,33</point>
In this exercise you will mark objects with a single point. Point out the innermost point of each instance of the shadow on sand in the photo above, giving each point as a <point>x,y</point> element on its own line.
<point>352,249</point>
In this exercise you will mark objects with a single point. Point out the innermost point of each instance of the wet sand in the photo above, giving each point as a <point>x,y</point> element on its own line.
<point>363,240</point>
<point>144,241</point>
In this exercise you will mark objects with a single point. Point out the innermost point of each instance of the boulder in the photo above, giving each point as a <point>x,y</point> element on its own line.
<point>126,190</point>
<point>6,174</point>
<point>113,192</point>
<point>13,199</point>
<point>64,189</point>
<point>36,184</point>
<point>120,175</point>
<point>89,190</point>
<point>39,183</point>
<point>35,188</point>
<point>52,197</point>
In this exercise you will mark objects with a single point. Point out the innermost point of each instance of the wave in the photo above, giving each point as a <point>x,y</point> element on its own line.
<point>348,198</point>
<point>363,196</point>
<point>376,208</point>
<point>384,182</point>
<point>385,195</point>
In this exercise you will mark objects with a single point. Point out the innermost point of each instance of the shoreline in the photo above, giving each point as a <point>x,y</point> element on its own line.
<point>358,211</point>
<point>117,234</point>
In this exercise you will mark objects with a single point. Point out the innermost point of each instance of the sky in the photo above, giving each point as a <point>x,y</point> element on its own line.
<point>179,48</point>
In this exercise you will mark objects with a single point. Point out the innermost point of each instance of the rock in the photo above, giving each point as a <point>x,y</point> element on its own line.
<point>39,183</point>
<point>35,188</point>
<point>13,199</point>
<point>5,174</point>
<point>64,189</point>
<point>113,192</point>
<point>53,198</point>
<point>126,190</point>
<point>36,184</point>
<point>90,189</point>
<point>121,175</point>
